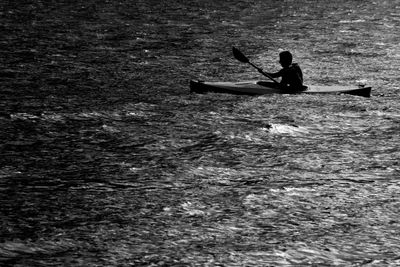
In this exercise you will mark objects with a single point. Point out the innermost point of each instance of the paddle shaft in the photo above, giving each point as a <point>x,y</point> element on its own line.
<point>242,58</point>
<point>263,73</point>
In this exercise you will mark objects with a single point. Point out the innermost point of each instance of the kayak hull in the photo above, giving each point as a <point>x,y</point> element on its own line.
<point>264,88</point>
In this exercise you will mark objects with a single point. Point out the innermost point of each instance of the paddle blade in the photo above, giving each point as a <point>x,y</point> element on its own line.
<point>239,55</point>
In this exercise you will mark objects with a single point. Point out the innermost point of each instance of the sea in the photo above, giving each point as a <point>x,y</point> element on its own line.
<point>108,159</point>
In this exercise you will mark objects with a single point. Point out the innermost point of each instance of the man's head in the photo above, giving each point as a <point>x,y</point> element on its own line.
<point>285,58</point>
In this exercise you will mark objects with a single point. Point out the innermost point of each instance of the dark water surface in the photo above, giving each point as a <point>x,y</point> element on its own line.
<point>108,160</point>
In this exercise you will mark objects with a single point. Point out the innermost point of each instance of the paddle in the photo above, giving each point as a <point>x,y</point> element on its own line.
<point>242,58</point>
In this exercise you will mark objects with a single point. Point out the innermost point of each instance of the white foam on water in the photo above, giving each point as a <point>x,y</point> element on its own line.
<point>288,129</point>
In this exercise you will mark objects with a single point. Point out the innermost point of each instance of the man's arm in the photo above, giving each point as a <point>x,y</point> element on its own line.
<point>276,74</point>
<point>273,74</point>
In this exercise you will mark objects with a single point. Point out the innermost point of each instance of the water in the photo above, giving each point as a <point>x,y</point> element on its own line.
<point>108,160</point>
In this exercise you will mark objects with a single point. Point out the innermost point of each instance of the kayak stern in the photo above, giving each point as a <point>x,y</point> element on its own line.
<point>202,87</point>
<point>236,88</point>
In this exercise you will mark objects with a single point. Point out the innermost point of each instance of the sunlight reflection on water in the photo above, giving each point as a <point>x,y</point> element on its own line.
<point>110,161</point>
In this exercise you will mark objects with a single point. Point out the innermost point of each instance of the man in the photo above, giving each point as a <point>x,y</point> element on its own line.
<point>292,76</point>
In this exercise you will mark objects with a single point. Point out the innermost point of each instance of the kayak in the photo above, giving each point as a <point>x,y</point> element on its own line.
<point>264,87</point>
